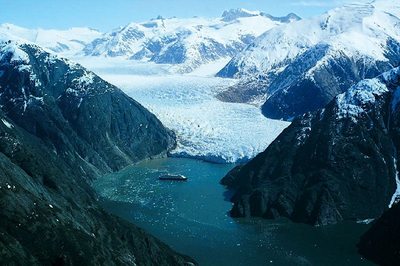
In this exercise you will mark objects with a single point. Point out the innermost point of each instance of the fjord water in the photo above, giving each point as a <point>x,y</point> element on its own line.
<point>192,218</point>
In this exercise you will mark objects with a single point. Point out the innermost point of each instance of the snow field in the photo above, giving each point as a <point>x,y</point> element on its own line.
<point>206,128</point>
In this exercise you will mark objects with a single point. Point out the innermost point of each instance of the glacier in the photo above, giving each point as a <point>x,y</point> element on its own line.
<point>206,128</point>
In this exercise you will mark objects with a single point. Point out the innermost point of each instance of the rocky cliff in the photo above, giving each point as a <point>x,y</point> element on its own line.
<point>339,163</point>
<point>381,243</point>
<point>60,127</point>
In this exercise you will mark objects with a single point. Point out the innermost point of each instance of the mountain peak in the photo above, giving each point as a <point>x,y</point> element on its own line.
<point>285,19</point>
<point>237,13</point>
<point>234,14</point>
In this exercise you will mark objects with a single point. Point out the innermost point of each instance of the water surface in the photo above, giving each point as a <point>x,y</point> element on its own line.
<point>192,218</point>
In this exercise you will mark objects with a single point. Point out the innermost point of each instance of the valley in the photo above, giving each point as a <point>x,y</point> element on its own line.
<point>285,130</point>
<point>206,128</point>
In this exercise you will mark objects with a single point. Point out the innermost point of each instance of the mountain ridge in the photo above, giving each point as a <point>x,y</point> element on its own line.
<point>301,66</point>
<point>61,126</point>
<point>186,42</point>
<point>339,163</point>
<point>64,42</point>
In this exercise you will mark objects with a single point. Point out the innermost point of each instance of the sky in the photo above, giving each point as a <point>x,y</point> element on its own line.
<point>106,15</point>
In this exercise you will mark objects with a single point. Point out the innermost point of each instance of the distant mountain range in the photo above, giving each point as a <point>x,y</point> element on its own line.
<point>186,43</point>
<point>66,42</point>
<point>300,66</point>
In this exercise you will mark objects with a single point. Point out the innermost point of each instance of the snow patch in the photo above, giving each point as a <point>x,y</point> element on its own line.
<point>351,104</point>
<point>80,102</point>
<point>7,124</point>
<point>396,195</point>
<point>86,79</point>
<point>365,221</point>
<point>18,56</point>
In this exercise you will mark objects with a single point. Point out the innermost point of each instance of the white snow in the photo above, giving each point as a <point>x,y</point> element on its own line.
<point>17,55</point>
<point>220,37</point>
<point>6,123</point>
<point>396,195</point>
<point>206,128</point>
<point>366,221</point>
<point>351,103</point>
<point>234,14</point>
<point>356,100</point>
<point>359,31</point>
<point>86,78</point>
<point>66,42</point>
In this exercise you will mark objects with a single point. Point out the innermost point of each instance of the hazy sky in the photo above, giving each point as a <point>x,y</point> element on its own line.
<point>109,14</point>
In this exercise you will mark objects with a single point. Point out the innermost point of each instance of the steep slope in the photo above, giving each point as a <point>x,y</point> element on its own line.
<point>50,216</point>
<point>66,42</point>
<point>186,42</point>
<point>301,66</point>
<point>75,111</point>
<point>61,126</point>
<point>337,164</point>
<point>381,243</point>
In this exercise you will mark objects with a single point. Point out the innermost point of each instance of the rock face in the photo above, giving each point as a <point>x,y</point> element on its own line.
<point>186,43</point>
<point>381,243</point>
<point>77,114</point>
<point>60,127</point>
<point>301,66</point>
<point>339,163</point>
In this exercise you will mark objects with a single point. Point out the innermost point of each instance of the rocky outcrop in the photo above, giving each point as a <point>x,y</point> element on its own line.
<point>381,243</point>
<point>339,163</point>
<point>60,127</point>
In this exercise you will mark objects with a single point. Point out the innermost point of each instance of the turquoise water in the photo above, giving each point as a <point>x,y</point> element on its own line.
<point>192,218</point>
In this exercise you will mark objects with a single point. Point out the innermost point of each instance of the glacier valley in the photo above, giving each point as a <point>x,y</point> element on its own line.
<point>206,128</point>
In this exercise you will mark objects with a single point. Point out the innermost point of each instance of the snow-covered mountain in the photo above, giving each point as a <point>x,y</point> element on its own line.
<point>66,42</point>
<point>186,42</point>
<point>340,163</point>
<point>301,66</point>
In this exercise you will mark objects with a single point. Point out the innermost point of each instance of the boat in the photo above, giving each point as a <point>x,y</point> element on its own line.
<point>173,177</point>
